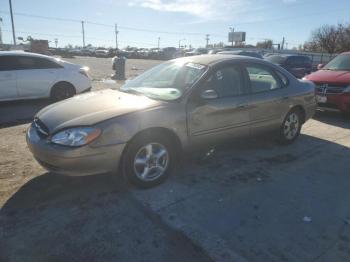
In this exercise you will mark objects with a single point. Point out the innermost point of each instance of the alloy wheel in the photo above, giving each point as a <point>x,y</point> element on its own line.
<point>291,126</point>
<point>151,161</point>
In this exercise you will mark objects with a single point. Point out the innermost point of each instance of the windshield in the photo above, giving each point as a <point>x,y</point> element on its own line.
<point>341,62</point>
<point>167,81</point>
<point>276,59</point>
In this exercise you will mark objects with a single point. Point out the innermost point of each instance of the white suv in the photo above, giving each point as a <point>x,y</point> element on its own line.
<point>28,76</point>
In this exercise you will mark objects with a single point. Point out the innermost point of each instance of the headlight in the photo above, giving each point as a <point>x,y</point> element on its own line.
<point>78,136</point>
<point>347,89</point>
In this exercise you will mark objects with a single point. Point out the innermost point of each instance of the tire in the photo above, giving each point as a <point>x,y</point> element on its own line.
<point>62,91</point>
<point>291,126</point>
<point>148,160</point>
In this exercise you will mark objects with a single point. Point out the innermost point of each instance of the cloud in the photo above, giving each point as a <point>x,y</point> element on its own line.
<point>209,10</point>
<point>205,9</point>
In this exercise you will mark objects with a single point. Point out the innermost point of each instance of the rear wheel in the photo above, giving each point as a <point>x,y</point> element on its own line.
<point>291,127</point>
<point>62,91</point>
<point>148,160</point>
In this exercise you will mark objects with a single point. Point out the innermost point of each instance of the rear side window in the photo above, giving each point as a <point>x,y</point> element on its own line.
<point>42,63</point>
<point>227,82</point>
<point>296,60</point>
<point>262,79</point>
<point>307,60</point>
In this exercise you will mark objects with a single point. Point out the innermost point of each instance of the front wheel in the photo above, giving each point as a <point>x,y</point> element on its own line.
<point>148,160</point>
<point>291,127</point>
<point>62,91</point>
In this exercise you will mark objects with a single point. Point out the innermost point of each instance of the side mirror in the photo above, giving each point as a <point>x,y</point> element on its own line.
<point>209,94</point>
<point>320,66</point>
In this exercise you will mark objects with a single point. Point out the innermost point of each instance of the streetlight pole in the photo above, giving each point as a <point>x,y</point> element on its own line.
<point>0,31</point>
<point>232,30</point>
<point>83,30</point>
<point>207,40</point>
<point>116,36</point>
<point>13,24</point>
<point>158,42</point>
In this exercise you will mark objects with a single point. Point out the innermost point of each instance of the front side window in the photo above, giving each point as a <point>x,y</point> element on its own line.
<point>261,79</point>
<point>7,63</point>
<point>27,62</point>
<point>167,81</point>
<point>227,82</point>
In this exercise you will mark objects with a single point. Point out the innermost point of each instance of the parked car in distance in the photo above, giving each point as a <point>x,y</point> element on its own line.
<point>197,51</point>
<point>241,52</point>
<point>298,65</point>
<point>177,106</point>
<point>333,83</point>
<point>28,76</point>
<point>102,52</point>
<point>215,51</point>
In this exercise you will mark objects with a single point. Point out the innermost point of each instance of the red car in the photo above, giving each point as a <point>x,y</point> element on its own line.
<point>333,83</point>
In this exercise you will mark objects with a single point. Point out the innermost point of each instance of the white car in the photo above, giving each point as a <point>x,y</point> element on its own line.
<point>29,76</point>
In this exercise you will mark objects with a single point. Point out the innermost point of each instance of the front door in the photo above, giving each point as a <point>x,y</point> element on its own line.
<point>212,119</point>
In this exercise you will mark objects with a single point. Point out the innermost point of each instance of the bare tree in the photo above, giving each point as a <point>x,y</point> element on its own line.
<point>329,38</point>
<point>326,37</point>
<point>344,38</point>
<point>267,44</point>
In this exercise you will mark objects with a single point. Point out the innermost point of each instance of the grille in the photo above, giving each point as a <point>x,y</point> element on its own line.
<point>41,128</point>
<point>330,88</point>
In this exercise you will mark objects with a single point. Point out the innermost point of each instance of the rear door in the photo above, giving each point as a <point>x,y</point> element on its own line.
<point>268,96</point>
<point>224,117</point>
<point>8,84</point>
<point>35,76</point>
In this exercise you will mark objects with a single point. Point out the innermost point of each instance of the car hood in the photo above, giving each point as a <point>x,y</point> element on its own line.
<point>91,108</point>
<point>329,76</point>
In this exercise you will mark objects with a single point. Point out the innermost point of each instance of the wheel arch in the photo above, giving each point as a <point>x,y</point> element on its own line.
<point>302,111</point>
<point>55,85</point>
<point>160,130</point>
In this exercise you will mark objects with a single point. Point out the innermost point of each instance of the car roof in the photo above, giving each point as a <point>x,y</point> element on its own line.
<point>214,59</point>
<point>290,55</point>
<point>22,53</point>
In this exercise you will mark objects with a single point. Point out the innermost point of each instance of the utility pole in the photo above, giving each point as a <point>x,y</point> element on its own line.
<point>158,42</point>
<point>207,40</point>
<point>283,40</point>
<point>232,30</point>
<point>13,24</point>
<point>56,42</point>
<point>180,42</point>
<point>83,31</point>
<point>116,37</point>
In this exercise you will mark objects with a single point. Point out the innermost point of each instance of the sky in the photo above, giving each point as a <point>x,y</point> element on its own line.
<point>142,22</point>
